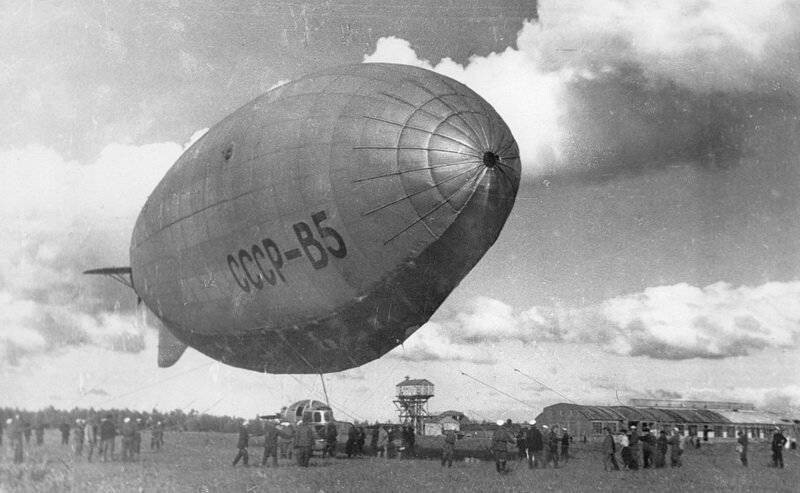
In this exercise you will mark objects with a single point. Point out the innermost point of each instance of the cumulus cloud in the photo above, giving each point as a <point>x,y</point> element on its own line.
<point>59,218</point>
<point>664,322</point>
<point>432,343</point>
<point>595,89</point>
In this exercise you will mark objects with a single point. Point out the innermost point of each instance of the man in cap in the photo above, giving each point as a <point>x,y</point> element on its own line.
<point>635,447</point>
<point>676,445</point>
<point>271,443</point>
<point>501,439</point>
<point>448,447</point>
<point>778,441</point>
<point>128,432</point>
<point>15,435</point>
<point>552,445</point>
<point>647,440</point>
<point>535,445</point>
<point>108,433</point>
<point>303,443</point>
<point>565,439</point>
<point>242,443</point>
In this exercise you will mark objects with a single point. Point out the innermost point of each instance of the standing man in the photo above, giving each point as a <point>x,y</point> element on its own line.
<point>609,451</point>
<point>535,444</point>
<point>778,441</point>
<point>661,449</point>
<point>634,445</point>
<point>303,443</point>
<point>64,429</point>
<point>448,447</point>
<point>271,443</point>
<point>108,432</point>
<point>77,437</point>
<point>676,445</point>
<point>565,438</point>
<point>552,445</point>
<point>242,444</point>
<point>90,437</point>
<point>741,446</point>
<point>128,433</point>
<point>383,442</point>
<point>331,434</point>
<point>38,429</point>
<point>157,436</point>
<point>501,439</point>
<point>15,434</point>
<point>647,448</point>
<point>522,443</point>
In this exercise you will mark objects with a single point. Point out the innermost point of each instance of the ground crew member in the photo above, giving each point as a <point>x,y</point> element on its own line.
<point>535,445</point>
<point>552,442</point>
<point>676,445</point>
<point>303,443</point>
<point>241,445</point>
<point>522,444</point>
<point>448,447</point>
<point>157,436</point>
<point>15,435</point>
<point>383,442</point>
<point>137,438</point>
<point>90,438</point>
<point>350,446</point>
<point>565,438</point>
<point>128,432</point>
<point>661,449</point>
<point>609,451</point>
<point>64,428</point>
<point>108,432</point>
<point>647,448</point>
<point>26,431</point>
<point>742,447</point>
<point>38,430</point>
<point>501,440</point>
<point>331,433</point>
<point>778,441</point>
<point>634,445</point>
<point>285,440</point>
<point>270,443</point>
<point>77,437</point>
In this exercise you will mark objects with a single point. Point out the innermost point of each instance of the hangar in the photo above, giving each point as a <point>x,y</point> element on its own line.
<point>708,419</point>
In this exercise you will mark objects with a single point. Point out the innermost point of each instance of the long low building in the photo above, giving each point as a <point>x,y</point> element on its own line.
<point>725,423</point>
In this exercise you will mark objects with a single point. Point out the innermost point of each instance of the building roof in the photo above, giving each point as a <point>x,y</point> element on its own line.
<point>671,415</point>
<point>754,417</point>
<point>416,381</point>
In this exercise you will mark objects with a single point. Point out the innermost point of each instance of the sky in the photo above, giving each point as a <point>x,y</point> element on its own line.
<point>654,250</point>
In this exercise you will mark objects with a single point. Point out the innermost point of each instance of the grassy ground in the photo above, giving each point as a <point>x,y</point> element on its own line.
<point>202,462</point>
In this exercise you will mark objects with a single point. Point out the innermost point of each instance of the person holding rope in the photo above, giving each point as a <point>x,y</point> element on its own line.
<point>241,444</point>
<point>501,440</point>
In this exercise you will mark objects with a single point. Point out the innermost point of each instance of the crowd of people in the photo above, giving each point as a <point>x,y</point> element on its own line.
<point>297,441</point>
<point>95,436</point>
<point>635,449</point>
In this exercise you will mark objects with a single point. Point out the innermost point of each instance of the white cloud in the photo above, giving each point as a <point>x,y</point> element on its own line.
<point>601,87</point>
<point>664,322</point>
<point>58,218</point>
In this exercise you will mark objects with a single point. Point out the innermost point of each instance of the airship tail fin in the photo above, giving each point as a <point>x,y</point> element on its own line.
<point>170,348</point>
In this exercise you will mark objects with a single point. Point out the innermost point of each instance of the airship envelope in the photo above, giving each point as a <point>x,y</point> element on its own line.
<point>318,226</point>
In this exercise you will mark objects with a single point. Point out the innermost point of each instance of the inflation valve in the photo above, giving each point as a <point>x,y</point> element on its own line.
<point>490,159</point>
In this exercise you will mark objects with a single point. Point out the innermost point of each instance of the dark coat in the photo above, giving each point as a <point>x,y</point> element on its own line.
<point>535,440</point>
<point>244,437</point>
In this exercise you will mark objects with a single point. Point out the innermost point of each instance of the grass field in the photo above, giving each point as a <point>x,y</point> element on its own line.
<point>202,462</point>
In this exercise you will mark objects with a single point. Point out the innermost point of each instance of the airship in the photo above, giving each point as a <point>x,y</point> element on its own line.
<point>318,226</point>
